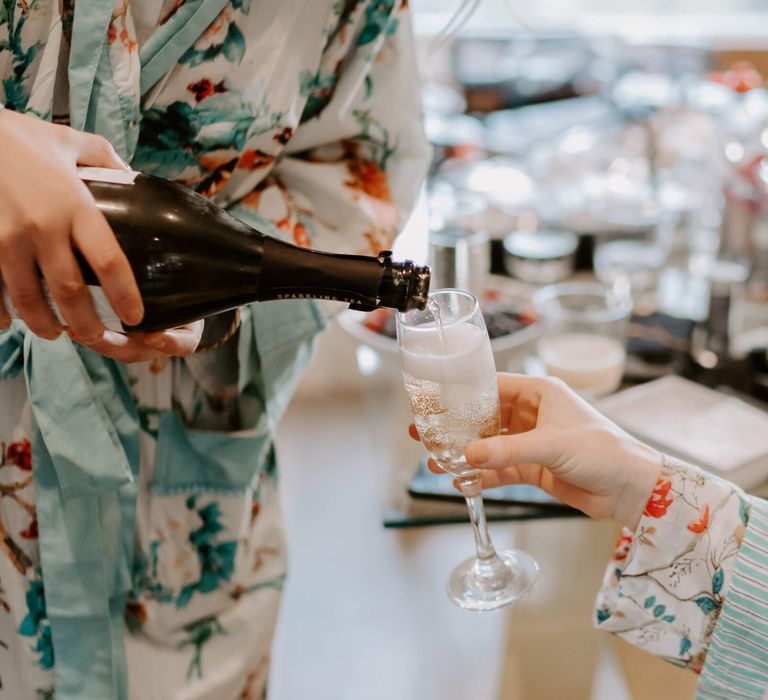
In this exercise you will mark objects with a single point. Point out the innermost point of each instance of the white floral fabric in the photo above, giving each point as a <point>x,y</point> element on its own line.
<point>668,580</point>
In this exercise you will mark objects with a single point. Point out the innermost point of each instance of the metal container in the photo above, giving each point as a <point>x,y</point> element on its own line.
<point>540,257</point>
<point>459,258</point>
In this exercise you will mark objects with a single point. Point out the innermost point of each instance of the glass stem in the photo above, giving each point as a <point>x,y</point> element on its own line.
<point>470,487</point>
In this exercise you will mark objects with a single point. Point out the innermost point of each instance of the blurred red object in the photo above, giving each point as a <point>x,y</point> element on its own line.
<point>741,77</point>
<point>377,319</point>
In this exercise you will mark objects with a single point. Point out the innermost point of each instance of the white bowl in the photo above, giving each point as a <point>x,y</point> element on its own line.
<point>504,347</point>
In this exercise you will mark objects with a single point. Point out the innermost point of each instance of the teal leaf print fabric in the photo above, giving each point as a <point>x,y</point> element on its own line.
<point>378,20</point>
<point>13,18</point>
<point>35,623</point>
<point>217,558</point>
<point>232,48</point>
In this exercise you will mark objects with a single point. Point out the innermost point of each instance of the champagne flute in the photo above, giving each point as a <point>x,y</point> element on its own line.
<point>450,379</point>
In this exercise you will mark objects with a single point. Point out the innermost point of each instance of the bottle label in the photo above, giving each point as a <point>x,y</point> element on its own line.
<point>103,308</point>
<point>304,295</point>
<point>119,177</point>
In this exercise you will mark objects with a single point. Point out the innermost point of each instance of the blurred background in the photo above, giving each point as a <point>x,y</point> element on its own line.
<point>583,142</point>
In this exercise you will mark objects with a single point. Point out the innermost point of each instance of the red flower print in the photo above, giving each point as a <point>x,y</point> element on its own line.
<point>254,160</point>
<point>284,136</point>
<point>621,550</point>
<point>135,612</point>
<point>660,500</point>
<point>30,533</point>
<point>20,454</point>
<point>698,526</point>
<point>205,88</point>
<point>111,33</point>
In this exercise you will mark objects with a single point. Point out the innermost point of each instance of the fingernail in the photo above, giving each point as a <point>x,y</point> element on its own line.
<point>134,315</point>
<point>478,453</point>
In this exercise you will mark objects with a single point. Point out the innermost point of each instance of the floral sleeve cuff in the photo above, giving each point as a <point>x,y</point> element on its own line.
<point>666,584</point>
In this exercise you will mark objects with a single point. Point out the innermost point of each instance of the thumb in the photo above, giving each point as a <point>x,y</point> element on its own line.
<point>97,152</point>
<point>536,446</point>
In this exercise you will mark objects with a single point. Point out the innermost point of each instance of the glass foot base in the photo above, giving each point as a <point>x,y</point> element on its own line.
<point>479,585</point>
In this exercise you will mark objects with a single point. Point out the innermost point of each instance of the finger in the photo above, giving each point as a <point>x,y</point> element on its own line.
<point>95,240</point>
<point>433,467</point>
<point>65,282</point>
<point>22,280</point>
<point>179,342</point>
<point>517,417</point>
<point>123,348</point>
<point>414,432</point>
<point>96,151</point>
<point>521,387</point>
<point>537,446</point>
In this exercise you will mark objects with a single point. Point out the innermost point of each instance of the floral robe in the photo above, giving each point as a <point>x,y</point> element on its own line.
<point>300,116</point>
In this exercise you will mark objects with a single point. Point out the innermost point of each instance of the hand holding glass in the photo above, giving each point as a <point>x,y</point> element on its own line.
<point>450,378</point>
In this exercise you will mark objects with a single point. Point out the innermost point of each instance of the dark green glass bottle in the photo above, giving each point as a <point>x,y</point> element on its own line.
<point>192,259</point>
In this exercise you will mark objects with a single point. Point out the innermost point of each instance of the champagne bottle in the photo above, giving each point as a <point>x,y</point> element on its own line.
<point>192,259</point>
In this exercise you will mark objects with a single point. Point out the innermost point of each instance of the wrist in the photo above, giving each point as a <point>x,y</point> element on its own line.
<point>642,465</point>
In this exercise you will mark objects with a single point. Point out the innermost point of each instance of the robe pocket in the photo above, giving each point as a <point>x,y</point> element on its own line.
<point>207,503</point>
<point>192,461</point>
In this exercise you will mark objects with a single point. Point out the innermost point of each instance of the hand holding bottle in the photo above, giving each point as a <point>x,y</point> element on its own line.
<point>47,214</point>
<point>553,439</point>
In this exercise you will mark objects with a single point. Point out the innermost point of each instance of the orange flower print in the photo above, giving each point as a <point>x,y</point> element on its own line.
<point>217,25</point>
<point>220,166</point>
<point>255,160</point>
<point>379,238</point>
<point>698,526</point>
<point>283,224</point>
<point>205,88</point>
<point>300,236</point>
<point>252,200</point>
<point>660,500</point>
<point>367,177</point>
<point>112,32</point>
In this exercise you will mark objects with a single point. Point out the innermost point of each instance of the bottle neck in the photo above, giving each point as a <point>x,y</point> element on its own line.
<point>290,272</point>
